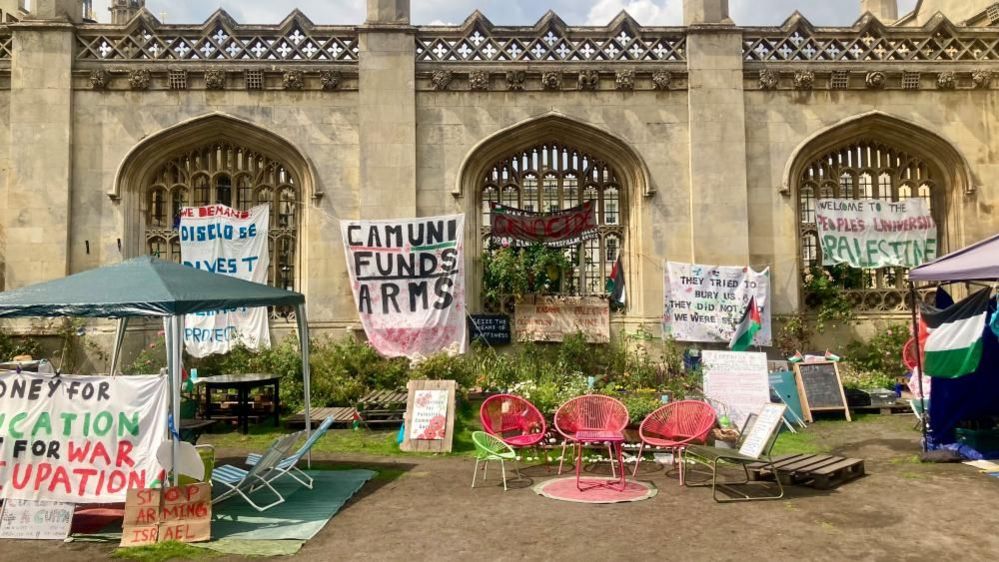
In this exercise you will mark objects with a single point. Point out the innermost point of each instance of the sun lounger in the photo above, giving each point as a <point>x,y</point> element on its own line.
<point>240,482</point>
<point>287,466</point>
<point>755,445</point>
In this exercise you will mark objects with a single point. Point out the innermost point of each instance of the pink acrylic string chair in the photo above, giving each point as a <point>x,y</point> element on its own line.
<point>514,420</point>
<point>593,412</point>
<point>674,426</point>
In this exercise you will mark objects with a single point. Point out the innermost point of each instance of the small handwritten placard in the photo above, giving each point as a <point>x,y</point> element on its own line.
<point>181,514</point>
<point>758,438</point>
<point>42,520</point>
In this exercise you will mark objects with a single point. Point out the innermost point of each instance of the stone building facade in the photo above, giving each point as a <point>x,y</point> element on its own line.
<point>704,143</point>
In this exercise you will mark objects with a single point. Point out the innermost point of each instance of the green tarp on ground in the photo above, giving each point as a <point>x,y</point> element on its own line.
<point>239,529</point>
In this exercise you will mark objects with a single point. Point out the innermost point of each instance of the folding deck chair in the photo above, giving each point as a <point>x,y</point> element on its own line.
<point>244,482</point>
<point>755,445</point>
<point>288,466</point>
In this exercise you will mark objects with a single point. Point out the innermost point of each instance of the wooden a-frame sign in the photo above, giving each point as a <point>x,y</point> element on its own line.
<point>416,422</point>
<point>820,388</point>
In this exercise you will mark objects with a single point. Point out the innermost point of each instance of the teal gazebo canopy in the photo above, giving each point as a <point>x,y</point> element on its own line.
<point>138,287</point>
<point>150,287</point>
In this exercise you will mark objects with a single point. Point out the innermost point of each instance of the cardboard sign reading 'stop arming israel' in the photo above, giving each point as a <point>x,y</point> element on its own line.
<point>409,283</point>
<point>79,439</point>
<point>704,303</point>
<point>222,240</point>
<point>869,233</point>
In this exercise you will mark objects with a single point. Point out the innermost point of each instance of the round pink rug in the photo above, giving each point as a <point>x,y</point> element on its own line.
<point>565,489</point>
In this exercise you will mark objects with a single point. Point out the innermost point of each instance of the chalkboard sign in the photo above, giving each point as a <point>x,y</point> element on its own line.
<point>820,388</point>
<point>492,329</point>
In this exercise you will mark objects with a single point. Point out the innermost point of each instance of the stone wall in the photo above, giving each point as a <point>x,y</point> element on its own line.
<point>702,122</point>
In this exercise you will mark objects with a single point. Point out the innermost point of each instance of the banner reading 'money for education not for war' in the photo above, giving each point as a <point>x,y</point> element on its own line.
<point>223,240</point>
<point>409,283</point>
<point>870,234</point>
<point>79,439</point>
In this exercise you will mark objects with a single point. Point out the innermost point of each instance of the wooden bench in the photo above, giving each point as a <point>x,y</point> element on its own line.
<point>818,471</point>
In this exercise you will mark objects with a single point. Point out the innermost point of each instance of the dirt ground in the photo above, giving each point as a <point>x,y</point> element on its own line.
<point>902,510</point>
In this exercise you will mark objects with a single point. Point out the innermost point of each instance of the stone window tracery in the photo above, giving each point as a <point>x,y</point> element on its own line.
<point>865,169</point>
<point>550,177</point>
<point>227,174</point>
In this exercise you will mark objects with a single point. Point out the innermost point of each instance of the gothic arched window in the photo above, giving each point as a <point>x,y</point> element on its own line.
<point>232,175</point>
<point>550,177</point>
<point>863,170</point>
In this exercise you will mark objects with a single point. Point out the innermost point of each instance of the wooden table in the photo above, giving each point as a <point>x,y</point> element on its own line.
<point>242,384</point>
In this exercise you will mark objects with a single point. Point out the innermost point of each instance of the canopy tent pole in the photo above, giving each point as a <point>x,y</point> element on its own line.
<point>119,339</point>
<point>303,335</point>
<point>175,346</point>
<point>919,358</point>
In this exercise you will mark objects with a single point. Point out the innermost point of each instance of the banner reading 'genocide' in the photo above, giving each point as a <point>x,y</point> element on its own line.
<point>79,439</point>
<point>223,240</point>
<point>704,303</point>
<point>556,230</point>
<point>409,283</point>
<point>869,233</point>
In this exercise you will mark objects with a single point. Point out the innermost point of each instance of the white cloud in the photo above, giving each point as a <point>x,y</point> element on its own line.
<point>645,12</point>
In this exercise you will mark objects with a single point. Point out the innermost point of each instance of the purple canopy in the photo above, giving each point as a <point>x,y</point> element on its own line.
<point>978,262</point>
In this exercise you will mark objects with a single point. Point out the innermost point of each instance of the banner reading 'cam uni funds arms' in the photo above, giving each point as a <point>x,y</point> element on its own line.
<point>870,233</point>
<point>79,439</point>
<point>408,281</point>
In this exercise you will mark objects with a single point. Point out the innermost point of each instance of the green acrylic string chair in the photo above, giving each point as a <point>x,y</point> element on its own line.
<point>491,448</point>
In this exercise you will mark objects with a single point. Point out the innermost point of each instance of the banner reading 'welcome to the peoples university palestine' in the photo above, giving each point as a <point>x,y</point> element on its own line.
<point>871,233</point>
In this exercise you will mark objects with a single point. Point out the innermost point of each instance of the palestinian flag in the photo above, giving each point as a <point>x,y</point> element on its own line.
<point>615,284</point>
<point>747,328</point>
<point>954,345</point>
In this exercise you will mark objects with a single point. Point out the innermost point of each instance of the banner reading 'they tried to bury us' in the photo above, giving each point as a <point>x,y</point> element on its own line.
<point>409,283</point>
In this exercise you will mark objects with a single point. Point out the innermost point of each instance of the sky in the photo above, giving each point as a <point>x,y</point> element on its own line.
<point>505,12</point>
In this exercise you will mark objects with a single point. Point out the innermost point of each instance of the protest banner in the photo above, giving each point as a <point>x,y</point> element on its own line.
<point>223,240</point>
<point>704,303</point>
<point>79,439</point>
<point>408,281</point>
<point>26,519</point>
<point>736,383</point>
<point>555,230</point>
<point>870,233</point>
<point>429,418</point>
<point>552,319</point>
<point>181,514</point>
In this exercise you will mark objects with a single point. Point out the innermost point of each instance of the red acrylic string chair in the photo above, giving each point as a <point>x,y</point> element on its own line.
<point>593,412</point>
<point>674,426</point>
<point>514,420</point>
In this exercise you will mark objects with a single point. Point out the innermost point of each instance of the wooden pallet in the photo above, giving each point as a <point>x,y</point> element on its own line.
<point>383,408</point>
<point>884,409</point>
<point>341,416</point>
<point>818,471</point>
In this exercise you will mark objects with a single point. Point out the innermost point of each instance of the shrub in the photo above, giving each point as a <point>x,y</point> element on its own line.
<point>12,346</point>
<point>877,363</point>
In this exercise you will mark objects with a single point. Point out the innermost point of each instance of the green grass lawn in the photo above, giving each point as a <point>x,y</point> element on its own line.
<point>364,441</point>
<point>813,440</point>
<point>164,551</point>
